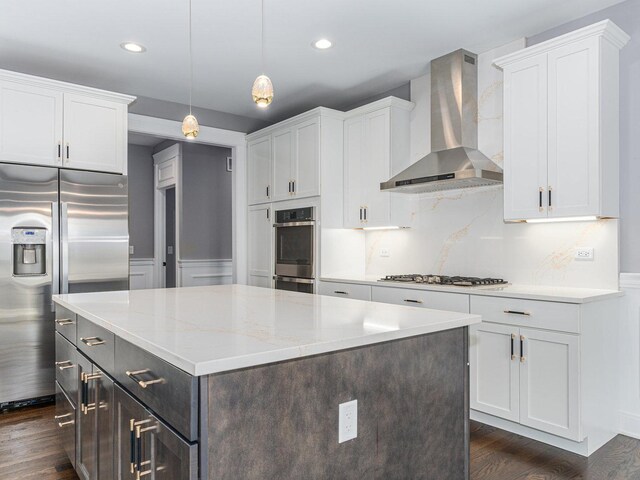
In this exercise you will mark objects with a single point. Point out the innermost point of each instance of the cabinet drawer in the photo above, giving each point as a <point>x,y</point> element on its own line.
<point>65,421</point>
<point>167,390</point>
<point>453,302</point>
<point>346,290</point>
<point>564,317</point>
<point>67,367</point>
<point>96,343</point>
<point>66,323</point>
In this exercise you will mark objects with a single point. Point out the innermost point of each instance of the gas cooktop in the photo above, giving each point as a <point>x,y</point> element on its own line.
<point>444,280</point>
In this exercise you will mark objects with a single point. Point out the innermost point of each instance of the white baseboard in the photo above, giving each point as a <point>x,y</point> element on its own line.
<point>195,273</point>
<point>141,273</point>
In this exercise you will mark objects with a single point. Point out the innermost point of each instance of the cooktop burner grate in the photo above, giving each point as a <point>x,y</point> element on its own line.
<point>457,281</point>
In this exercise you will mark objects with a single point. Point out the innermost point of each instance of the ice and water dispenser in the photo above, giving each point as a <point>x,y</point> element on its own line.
<point>29,251</point>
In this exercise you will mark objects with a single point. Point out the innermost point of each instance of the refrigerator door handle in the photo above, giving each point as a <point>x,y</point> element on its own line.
<point>64,246</point>
<point>55,252</point>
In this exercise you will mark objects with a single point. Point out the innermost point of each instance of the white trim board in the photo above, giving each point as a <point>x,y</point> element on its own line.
<point>141,273</point>
<point>171,130</point>
<point>201,272</point>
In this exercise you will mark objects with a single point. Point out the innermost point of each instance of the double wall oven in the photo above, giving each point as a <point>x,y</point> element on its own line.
<point>295,245</point>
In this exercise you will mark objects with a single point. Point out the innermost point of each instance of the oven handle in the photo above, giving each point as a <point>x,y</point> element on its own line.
<point>308,281</point>
<point>306,223</point>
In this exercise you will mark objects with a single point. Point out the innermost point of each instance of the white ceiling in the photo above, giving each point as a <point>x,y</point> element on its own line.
<point>379,44</point>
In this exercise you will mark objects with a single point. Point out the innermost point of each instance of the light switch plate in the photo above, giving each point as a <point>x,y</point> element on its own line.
<point>348,421</point>
<point>132,249</point>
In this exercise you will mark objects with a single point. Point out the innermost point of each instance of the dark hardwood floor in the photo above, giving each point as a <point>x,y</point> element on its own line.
<point>29,449</point>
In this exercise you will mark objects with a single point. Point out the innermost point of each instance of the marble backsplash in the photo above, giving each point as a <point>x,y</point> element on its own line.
<point>462,233</point>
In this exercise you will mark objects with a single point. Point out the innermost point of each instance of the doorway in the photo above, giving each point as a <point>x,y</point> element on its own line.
<point>170,238</point>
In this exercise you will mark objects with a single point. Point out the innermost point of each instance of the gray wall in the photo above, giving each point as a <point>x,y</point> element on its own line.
<point>141,200</point>
<point>206,203</point>
<point>627,16</point>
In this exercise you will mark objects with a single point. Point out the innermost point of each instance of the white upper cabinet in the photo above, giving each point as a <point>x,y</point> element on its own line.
<point>291,167</point>
<point>376,147</point>
<point>45,122</point>
<point>259,171</point>
<point>561,126</point>
<point>30,124</point>
<point>95,134</point>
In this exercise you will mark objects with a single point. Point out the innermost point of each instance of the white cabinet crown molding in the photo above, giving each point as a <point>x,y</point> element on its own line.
<point>314,113</point>
<point>605,29</point>
<point>23,78</point>
<point>378,104</point>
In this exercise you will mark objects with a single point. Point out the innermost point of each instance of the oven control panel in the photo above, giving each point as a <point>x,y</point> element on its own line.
<point>294,215</point>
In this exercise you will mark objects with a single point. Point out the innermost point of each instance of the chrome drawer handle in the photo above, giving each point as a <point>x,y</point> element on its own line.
<point>409,300</point>
<point>143,383</point>
<point>64,365</point>
<point>64,321</point>
<point>92,341</point>
<point>60,417</point>
<point>340,292</point>
<point>515,312</point>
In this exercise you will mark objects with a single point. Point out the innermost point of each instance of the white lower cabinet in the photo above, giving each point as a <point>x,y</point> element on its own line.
<point>345,290</point>
<point>260,245</point>
<point>453,302</point>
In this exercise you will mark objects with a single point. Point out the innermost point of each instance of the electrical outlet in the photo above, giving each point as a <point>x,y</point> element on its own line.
<point>132,249</point>
<point>384,252</point>
<point>348,421</point>
<point>584,253</point>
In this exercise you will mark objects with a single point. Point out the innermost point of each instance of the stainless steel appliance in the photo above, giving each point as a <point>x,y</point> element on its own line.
<point>456,281</point>
<point>60,231</point>
<point>295,244</point>
<point>454,161</point>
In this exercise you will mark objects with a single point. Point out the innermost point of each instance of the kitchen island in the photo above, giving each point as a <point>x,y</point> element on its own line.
<point>232,381</point>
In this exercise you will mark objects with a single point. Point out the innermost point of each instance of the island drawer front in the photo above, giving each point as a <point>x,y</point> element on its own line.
<point>67,367</point>
<point>96,343</point>
<point>66,323</point>
<point>65,421</point>
<point>563,317</point>
<point>454,302</point>
<point>168,391</point>
<point>345,290</point>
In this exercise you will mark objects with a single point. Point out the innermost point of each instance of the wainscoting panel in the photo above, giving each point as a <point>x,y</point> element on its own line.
<point>141,273</point>
<point>195,273</point>
<point>630,355</point>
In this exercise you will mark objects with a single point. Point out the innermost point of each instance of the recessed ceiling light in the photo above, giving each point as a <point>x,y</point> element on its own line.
<point>322,44</point>
<point>133,47</point>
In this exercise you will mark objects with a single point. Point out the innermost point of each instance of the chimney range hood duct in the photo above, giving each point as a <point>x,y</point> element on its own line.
<point>455,161</point>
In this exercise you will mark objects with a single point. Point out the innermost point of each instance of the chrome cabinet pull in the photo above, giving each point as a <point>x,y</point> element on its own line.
<point>92,341</point>
<point>341,292</point>
<point>409,300</point>
<point>85,406</point>
<point>68,422</point>
<point>516,312</point>
<point>522,357</point>
<point>64,365</point>
<point>143,383</point>
<point>140,430</point>
<point>64,321</point>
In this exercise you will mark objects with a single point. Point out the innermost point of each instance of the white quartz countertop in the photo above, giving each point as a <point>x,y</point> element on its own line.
<point>530,292</point>
<point>205,330</point>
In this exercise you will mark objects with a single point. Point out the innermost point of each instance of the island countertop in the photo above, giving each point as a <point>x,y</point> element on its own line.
<point>205,330</point>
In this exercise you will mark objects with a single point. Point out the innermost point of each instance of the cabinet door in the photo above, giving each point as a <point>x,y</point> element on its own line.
<point>95,136</point>
<point>128,414</point>
<point>282,164</point>
<point>573,129</point>
<point>375,168</point>
<point>65,419</point>
<point>260,245</point>
<point>171,457</point>
<point>103,389</point>
<point>306,173</point>
<point>493,359</point>
<point>353,173</point>
<point>525,139</point>
<point>549,382</point>
<point>259,170</point>
<point>86,461</point>
<point>30,124</point>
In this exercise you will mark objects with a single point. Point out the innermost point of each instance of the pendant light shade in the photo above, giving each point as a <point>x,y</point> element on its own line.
<point>190,127</point>
<point>262,91</point>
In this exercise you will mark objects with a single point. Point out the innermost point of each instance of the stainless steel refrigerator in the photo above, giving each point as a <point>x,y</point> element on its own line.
<point>61,231</point>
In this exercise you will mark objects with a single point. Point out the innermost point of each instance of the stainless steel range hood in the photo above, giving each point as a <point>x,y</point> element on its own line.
<point>455,161</point>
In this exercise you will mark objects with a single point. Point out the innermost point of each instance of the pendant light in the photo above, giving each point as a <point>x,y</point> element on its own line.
<point>190,127</point>
<point>262,91</point>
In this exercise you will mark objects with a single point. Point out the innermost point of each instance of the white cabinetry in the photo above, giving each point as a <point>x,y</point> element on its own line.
<point>260,233</point>
<point>345,290</point>
<point>45,122</point>
<point>453,302</point>
<point>376,147</point>
<point>561,126</point>
<point>259,171</point>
